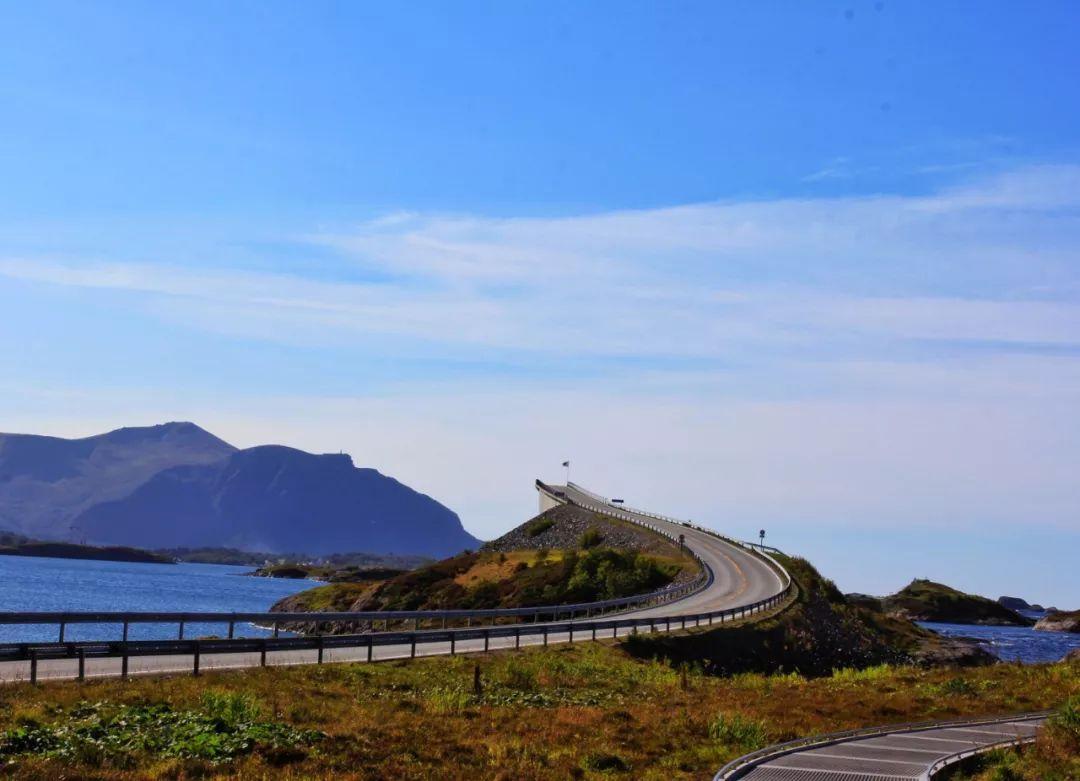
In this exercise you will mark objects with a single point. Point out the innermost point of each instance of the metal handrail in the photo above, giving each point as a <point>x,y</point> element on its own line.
<point>737,767</point>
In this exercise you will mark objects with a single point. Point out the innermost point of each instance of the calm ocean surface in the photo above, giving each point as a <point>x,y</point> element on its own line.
<point>42,584</point>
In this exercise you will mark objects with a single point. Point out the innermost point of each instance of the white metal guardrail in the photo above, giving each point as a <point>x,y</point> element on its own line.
<point>125,648</point>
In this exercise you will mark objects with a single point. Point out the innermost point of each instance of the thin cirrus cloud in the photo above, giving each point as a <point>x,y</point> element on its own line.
<point>994,261</point>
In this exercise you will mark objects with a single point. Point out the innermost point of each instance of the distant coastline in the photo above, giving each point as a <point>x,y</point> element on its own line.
<point>68,550</point>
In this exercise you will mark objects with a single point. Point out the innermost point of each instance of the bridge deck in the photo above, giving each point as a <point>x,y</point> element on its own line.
<point>896,756</point>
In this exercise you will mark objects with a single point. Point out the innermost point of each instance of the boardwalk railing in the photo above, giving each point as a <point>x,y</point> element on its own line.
<point>740,766</point>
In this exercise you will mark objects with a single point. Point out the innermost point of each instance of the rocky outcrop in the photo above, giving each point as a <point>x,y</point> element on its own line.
<point>1072,656</point>
<point>563,527</point>
<point>954,652</point>
<point>1060,622</point>
<point>1018,604</point>
<point>924,600</point>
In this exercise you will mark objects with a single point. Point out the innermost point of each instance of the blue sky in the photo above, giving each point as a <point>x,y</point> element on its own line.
<point>812,266</point>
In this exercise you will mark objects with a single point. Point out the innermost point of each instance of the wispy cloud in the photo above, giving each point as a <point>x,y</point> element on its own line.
<point>994,261</point>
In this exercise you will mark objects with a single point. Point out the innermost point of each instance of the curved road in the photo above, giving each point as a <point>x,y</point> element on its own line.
<point>740,578</point>
<point>900,754</point>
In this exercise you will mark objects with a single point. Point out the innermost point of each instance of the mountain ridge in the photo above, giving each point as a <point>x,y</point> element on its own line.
<point>177,485</point>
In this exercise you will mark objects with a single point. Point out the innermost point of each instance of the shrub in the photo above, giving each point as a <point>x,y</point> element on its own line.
<point>737,730</point>
<point>225,726</point>
<point>605,763</point>
<point>590,539</point>
<point>538,527</point>
<point>1065,721</point>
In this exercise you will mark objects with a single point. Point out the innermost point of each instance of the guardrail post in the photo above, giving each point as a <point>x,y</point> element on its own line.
<point>370,647</point>
<point>517,637</point>
<point>545,636</point>
<point>33,666</point>
<point>320,649</point>
<point>62,631</point>
<point>232,629</point>
<point>487,636</point>
<point>124,662</point>
<point>180,631</point>
<point>262,654</point>
<point>668,622</point>
<point>415,624</point>
<point>594,632</point>
<point>275,629</point>
<point>453,643</point>
<point>412,646</point>
<point>82,664</point>
<point>125,631</point>
<point>198,653</point>
<point>615,631</point>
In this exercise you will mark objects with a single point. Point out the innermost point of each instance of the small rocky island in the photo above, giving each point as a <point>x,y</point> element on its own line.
<point>925,600</point>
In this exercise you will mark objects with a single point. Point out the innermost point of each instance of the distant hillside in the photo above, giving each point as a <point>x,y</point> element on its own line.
<point>924,600</point>
<point>274,498</point>
<point>176,485</point>
<point>47,482</point>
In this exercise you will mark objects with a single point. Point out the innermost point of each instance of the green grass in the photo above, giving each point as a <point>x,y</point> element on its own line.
<point>224,726</point>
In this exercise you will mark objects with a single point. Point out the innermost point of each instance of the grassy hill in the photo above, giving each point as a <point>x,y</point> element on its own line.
<point>924,600</point>
<point>598,558</point>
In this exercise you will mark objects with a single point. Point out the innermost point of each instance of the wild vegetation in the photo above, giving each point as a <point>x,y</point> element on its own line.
<point>487,580</point>
<point>1055,755</point>
<point>598,558</point>
<point>588,711</point>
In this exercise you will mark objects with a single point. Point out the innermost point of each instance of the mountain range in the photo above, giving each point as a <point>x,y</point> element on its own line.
<point>177,485</point>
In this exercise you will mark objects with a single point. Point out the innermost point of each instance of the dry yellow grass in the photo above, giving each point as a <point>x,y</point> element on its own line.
<point>589,711</point>
<point>493,567</point>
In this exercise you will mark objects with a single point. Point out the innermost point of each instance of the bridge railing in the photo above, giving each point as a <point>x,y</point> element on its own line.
<point>551,614</point>
<point>276,621</point>
<point>604,505</point>
<point>579,629</point>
